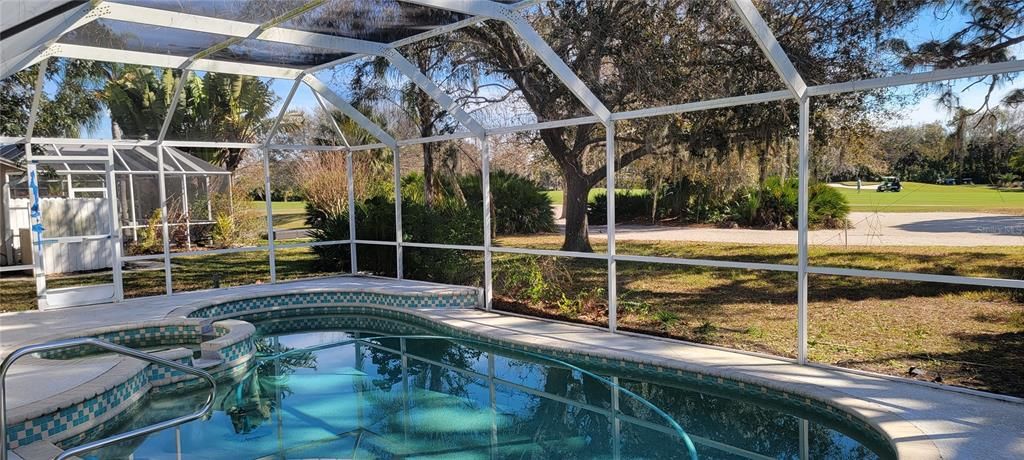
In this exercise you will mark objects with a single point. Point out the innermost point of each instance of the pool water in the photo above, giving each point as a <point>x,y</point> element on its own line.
<point>353,392</point>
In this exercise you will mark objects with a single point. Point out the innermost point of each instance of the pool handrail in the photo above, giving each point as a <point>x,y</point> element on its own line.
<point>113,439</point>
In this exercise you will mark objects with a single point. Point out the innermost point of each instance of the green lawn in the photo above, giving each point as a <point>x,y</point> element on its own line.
<point>287,214</point>
<point>919,197</point>
<point>556,195</point>
<point>968,335</point>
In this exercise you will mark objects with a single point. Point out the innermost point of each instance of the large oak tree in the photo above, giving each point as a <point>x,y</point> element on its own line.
<point>643,54</point>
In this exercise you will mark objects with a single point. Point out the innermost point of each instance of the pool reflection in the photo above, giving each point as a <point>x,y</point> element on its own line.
<point>408,397</point>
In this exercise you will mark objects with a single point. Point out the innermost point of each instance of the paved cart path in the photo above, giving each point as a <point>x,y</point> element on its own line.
<point>868,229</point>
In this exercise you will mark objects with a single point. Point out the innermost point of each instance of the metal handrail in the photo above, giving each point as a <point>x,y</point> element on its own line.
<point>56,345</point>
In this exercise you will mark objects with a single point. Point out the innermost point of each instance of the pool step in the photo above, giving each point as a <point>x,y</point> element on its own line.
<point>207,363</point>
<point>38,449</point>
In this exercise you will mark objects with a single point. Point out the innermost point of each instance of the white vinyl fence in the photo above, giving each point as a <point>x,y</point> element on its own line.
<point>67,217</point>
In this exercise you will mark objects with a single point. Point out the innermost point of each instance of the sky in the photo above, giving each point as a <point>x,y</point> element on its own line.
<point>931,24</point>
<point>925,109</point>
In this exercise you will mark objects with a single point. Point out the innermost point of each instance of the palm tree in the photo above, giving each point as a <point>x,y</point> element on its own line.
<point>227,107</point>
<point>216,107</point>
<point>138,99</point>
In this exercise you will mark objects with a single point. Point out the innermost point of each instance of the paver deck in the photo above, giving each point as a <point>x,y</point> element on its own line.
<point>924,421</point>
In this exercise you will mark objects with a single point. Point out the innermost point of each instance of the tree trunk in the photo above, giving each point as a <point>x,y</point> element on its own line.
<point>577,190</point>
<point>762,163</point>
<point>561,210</point>
<point>428,175</point>
<point>654,199</point>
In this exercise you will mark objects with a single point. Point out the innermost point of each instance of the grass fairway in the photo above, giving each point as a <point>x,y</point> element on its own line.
<point>288,215</point>
<point>919,197</point>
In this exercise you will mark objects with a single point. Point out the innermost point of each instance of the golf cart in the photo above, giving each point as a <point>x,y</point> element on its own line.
<point>890,184</point>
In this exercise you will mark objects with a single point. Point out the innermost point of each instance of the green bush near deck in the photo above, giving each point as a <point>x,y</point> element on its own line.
<point>447,221</point>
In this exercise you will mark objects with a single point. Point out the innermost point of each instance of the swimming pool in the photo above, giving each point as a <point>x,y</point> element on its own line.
<point>354,386</point>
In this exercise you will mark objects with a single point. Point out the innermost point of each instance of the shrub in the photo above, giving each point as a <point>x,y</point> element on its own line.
<point>329,227</point>
<point>775,205</point>
<point>240,223</point>
<point>376,221</point>
<point>520,205</point>
<point>700,201</point>
<point>450,222</point>
<point>826,206</point>
<point>150,237</point>
<point>629,207</point>
<point>224,232</point>
<point>550,282</point>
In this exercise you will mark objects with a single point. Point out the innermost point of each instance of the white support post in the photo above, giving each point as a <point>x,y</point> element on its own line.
<point>272,253</point>
<point>492,393</point>
<point>805,444</point>
<point>37,94</point>
<point>131,196</point>
<point>804,154</point>
<point>396,158</point>
<point>350,183</point>
<point>184,209</point>
<point>162,178</point>
<point>267,191</point>
<point>321,89</point>
<point>36,216</point>
<point>616,421</point>
<point>162,190</point>
<point>353,257</point>
<point>557,66</point>
<point>174,104</point>
<point>209,202</point>
<point>431,89</point>
<point>36,208</point>
<point>115,227</point>
<point>485,190</point>
<point>610,162</point>
<point>406,419</point>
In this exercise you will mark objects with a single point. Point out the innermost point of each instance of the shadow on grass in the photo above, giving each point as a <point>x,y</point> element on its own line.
<point>990,362</point>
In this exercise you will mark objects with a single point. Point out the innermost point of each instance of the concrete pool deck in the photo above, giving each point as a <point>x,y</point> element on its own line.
<point>922,421</point>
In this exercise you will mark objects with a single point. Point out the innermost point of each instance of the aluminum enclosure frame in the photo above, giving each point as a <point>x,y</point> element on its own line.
<point>746,11</point>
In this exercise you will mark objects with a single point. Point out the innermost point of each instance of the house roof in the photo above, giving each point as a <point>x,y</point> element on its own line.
<point>126,159</point>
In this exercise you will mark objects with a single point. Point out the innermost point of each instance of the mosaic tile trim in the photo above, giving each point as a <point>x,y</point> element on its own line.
<point>135,338</point>
<point>238,350</point>
<point>59,422</point>
<point>230,373</point>
<point>122,416</point>
<point>158,375</point>
<point>371,324</point>
<point>446,300</point>
<point>83,415</point>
